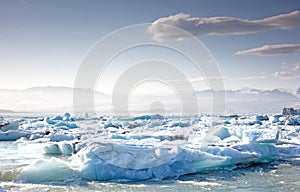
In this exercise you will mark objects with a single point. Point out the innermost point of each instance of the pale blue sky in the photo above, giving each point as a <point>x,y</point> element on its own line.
<point>43,42</point>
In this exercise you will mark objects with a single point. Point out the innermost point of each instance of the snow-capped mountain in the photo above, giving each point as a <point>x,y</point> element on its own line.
<point>275,94</point>
<point>249,100</point>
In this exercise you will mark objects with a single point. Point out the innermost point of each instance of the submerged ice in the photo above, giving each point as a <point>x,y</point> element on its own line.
<point>151,146</point>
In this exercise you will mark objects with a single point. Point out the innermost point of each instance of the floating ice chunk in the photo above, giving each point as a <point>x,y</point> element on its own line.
<point>195,121</point>
<point>60,137</point>
<point>231,156</point>
<point>157,117</point>
<point>203,160</point>
<point>94,168</point>
<point>11,126</point>
<point>112,129</point>
<point>295,120</point>
<point>114,161</point>
<point>143,117</point>
<point>289,151</point>
<point>47,170</point>
<point>12,135</point>
<point>66,116</point>
<point>205,118</point>
<point>65,124</point>
<point>147,117</point>
<point>86,115</point>
<point>49,121</point>
<point>35,136</point>
<point>136,123</point>
<point>233,121</point>
<point>109,165</point>
<point>132,156</point>
<point>290,111</point>
<point>216,123</point>
<point>267,152</point>
<point>181,124</point>
<point>110,124</point>
<point>155,123</point>
<point>57,118</point>
<point>118,136</point>
<point>22,140</point>
<point>67,148</point>
<point>283,118</point>
<point>222,132</point>
<point>262,118</point>
<point>261,136</point>
<point>52,149</point>
<point>79,146</point>
<point>211,139</point>
<point>125,124</point>
<point>275,118</point>
<point>59,148</point>
<point>231,139</point>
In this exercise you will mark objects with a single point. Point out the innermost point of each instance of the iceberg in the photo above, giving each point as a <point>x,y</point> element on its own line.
<point>222,132</point>
<point>47,170</point>
<point>60,137</point>
<point>13,135</point>
<point>290,111</point>
<point>261,136</point>
<point>67,125</point>
<point>62,148</point>
<point>10,126</point>
<point>105,162</point>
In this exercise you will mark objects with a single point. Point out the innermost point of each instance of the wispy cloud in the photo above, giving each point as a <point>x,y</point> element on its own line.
<point>162,31</point>
<point>207,79</point>
<point>271,50</point>
<point>252,78</point>
<point>297,66</point>
<point>228,79</point>
<point>288,72</point>
<point>282,75</point>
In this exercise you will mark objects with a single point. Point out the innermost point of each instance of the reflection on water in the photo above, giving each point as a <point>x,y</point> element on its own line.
<point>14,154</point>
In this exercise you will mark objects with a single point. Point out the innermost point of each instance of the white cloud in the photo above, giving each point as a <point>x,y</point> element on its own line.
<point>297,66</point>
<point>207,79</point>
<point>227,79</point>
<point>271,50</point>
<point>288,72</point>
<point>282,74</point>
<point>252,78</point>
<point>162,31</point>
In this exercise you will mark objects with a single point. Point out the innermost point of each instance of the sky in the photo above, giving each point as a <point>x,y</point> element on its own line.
<point>255,43</point>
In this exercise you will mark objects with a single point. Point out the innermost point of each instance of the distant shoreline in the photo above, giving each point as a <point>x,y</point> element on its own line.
<point>11,111</point>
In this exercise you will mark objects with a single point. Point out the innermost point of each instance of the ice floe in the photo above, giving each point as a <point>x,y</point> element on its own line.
<point>151,146</point>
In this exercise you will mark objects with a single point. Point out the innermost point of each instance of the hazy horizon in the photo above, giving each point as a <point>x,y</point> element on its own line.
<point>60,100</point>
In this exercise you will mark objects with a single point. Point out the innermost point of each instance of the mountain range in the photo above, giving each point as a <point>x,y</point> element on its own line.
<point>60,99</point>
